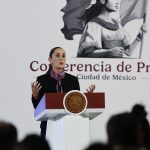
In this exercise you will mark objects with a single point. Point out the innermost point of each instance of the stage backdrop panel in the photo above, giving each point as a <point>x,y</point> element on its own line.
<point>29,29</point>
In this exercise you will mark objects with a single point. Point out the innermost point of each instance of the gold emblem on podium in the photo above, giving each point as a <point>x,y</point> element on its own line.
<point>75,102</point>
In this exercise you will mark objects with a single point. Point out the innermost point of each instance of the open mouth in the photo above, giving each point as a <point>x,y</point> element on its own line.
<point>61,63</point>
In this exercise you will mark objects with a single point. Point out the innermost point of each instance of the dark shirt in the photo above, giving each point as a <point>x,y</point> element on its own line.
<point>68,83</point>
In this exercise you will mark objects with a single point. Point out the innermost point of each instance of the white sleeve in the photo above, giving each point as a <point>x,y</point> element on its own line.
<point>126,39</point>
<point>91,38</point>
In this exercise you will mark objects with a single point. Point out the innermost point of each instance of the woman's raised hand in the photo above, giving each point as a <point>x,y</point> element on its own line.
<point>35,86</point>
<point>91,88</point>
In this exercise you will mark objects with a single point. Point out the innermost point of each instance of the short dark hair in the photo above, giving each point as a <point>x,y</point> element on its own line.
<point>8,134</point>
<point>98,146</point>
<point>139,110</point>
<point>124,129</point>
<point>53,50</point>
<point>34,141</point>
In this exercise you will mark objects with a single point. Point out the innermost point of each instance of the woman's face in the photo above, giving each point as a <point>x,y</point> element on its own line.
<point>112,5</point>
<point>58,59</point>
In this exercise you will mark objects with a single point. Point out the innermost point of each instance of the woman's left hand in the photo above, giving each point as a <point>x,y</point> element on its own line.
<point>91,88</point>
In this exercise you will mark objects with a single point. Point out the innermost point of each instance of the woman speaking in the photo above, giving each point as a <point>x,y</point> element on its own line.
<point>54,81</point>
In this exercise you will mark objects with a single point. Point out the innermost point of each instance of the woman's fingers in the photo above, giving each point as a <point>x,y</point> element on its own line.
<point>91,88</point>
<point>35,88</point>
<point>93,85</point>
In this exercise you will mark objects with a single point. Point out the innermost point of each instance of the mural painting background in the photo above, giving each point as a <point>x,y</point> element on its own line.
<point>29,29</point>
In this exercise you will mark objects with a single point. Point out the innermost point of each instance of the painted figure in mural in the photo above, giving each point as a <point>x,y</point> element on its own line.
<point>54,81</point>
<point>104,37</point>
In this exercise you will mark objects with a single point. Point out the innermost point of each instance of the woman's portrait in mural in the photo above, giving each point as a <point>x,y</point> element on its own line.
<point>102,35</point>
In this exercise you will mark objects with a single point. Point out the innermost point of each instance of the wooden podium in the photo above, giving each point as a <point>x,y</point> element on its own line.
<point>66,131</point>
